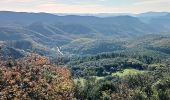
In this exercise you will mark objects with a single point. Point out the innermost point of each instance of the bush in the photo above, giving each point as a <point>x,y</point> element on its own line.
<point>33,77</point>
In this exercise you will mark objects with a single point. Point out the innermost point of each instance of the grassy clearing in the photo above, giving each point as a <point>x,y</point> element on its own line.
<point>123,73</point>
<point>81,80</point>
<point>126,72</point>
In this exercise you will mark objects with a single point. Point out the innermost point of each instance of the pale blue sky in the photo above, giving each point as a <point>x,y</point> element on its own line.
<point>85,6</point>
<point>99,2</point>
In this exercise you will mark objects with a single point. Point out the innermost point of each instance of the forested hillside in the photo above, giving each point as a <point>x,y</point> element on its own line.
<point>50,57</point>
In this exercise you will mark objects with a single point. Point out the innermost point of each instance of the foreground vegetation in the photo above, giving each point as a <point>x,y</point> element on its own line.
<point>34,78</point>
<point>107,76</point>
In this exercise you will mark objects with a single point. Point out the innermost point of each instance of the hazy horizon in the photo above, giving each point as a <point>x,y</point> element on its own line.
<point>65,13</point>
<point>86,6</point>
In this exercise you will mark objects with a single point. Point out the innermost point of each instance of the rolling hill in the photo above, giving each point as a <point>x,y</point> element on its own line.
<point>80,35</point>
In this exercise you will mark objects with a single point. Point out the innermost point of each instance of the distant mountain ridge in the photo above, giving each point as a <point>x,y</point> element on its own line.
<point>46,32</point>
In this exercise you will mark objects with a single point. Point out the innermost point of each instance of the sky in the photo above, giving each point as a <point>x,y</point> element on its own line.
<point>85,6</point>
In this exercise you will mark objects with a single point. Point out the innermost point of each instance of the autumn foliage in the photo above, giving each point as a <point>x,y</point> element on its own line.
<point>33,77</point>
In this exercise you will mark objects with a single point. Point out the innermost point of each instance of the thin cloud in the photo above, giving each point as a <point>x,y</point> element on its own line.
<point>85,6</point>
